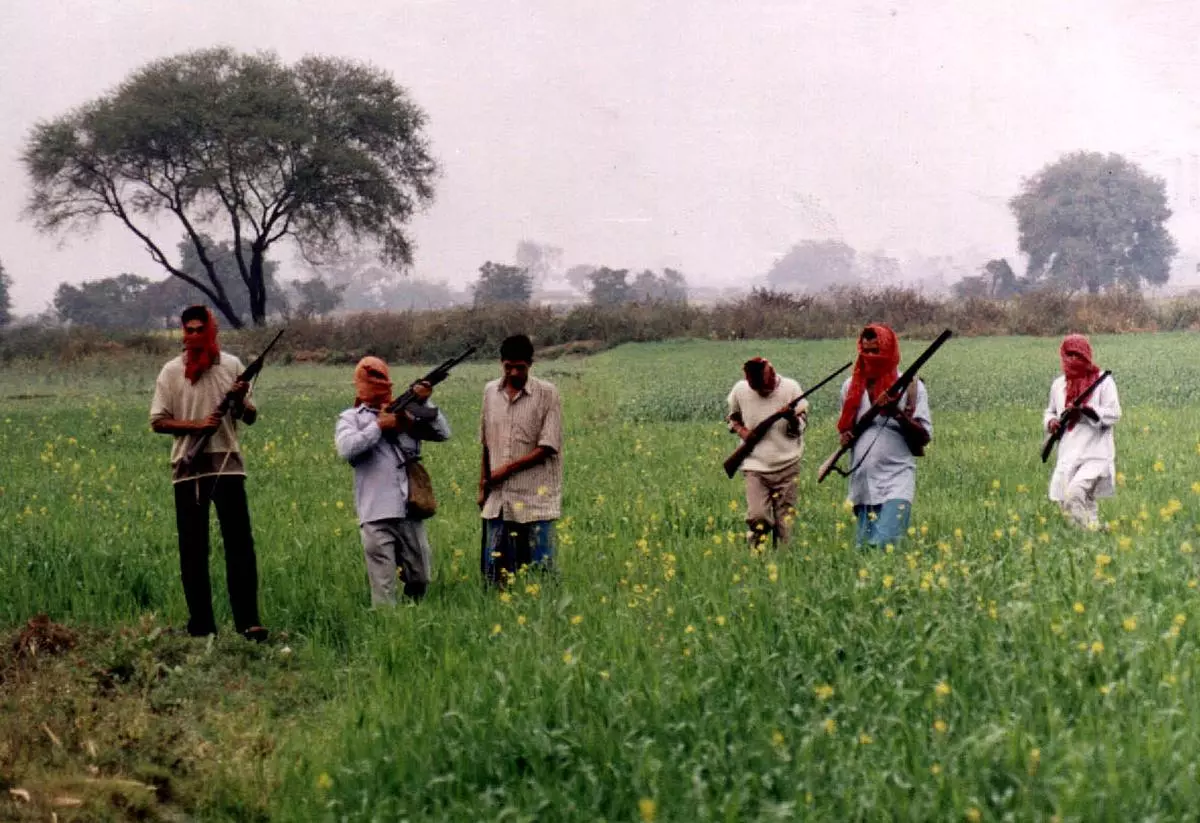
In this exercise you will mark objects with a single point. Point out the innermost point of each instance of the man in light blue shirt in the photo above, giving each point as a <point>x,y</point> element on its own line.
<point>380,446</point>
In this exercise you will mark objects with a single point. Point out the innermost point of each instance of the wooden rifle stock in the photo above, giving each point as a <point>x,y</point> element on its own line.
<point>735,460</point>
<point>895,390</point>
<point>1051,440</point>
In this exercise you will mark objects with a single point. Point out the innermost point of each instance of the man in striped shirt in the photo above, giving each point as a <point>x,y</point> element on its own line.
<point>520,478</point>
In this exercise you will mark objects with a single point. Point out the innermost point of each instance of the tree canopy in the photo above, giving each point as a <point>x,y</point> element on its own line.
<point>322,151</point>
<point>500,283</point>
<point>1091,221</point>
<point>814,265</point>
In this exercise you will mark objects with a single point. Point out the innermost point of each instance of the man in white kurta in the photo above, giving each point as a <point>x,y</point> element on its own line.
<point>771,469</point>
<point>1086,465</point>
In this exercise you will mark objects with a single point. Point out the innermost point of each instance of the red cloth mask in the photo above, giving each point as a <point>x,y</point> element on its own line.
<point>1080,371</point>
<point>372,386</point>
<point>201,351</point>
<point>876,371</point>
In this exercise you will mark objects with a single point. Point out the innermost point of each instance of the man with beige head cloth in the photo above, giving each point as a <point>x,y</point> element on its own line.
<point>771,469</point>
<point>380,446</point>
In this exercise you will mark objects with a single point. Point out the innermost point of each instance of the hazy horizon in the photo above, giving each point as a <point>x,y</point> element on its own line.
<point>702,136</point>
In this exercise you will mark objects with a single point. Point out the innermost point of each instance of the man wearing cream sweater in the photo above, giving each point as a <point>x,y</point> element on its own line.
<point>772,467</point>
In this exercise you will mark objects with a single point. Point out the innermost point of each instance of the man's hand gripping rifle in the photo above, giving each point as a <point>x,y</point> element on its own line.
<point>735,460</point>
<point>1069,412</point>
<point>892,396</point>
<point>228,401</point>
<point>408,402</point>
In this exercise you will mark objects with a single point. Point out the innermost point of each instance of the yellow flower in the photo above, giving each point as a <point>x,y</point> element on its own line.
<point>520,620</point>
<point>324,782</point>
<point>773,573</point>
<point>830,725</point>
<point>940,726</point>
<point>1179,619</point>
<point>567,657</point>
<point>505,597</point>
<point>720,620</point>
<point>576,620</point>
<point>1105,689</point>
<point>496,629</point>
<point>1159,467</point>
<point>777,738</point>
<point>1129,623</point>
<point>604,674</point>
<point>733,505</point>
<point>865,739</point>
<point>1078,607</point>
<point>339,505</point>
<point>888,580</point>
<point>995,484</point>
<point>1097,647</point>
<point>942,688</point>
<point>689,629</point>
<point>1103,560</point>
<point>647,808</point>
<point>1185,547</point>
<point>1035,759</point>
<point>823,692</point>
<point>935,769</point>
<point>974,815</point>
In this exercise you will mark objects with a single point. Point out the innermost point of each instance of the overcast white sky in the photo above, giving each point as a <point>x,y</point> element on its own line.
<point>705,135</point>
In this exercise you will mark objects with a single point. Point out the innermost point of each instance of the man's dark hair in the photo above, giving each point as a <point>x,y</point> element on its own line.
<point>754,370</point>
<point>868,333</point>
<point>194,313</point>
<point>518,348</point>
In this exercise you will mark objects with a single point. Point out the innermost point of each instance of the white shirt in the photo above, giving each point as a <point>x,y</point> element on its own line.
<point>777,451</point>
<point>887,469</point>
<point>1087,452</point>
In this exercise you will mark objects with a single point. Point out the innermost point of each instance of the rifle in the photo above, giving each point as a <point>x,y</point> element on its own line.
<point>403,403</point>
<point>1048,445</point>
<point>868,419</point>
<point>735,460</point>
<point>246,376</point>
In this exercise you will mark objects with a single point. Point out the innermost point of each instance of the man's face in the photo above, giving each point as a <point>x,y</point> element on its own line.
<point>193,333</point>
<point>516,373</point>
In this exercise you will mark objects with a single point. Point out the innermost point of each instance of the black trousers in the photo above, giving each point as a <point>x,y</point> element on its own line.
<point>228,494</point>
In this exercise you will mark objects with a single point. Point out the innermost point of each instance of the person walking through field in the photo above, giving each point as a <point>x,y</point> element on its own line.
<point>187,392</point>
<point>1086,465</point>
<point>383,448</point>
<point>883,476</point>
<point>521,474</point>
<point>770,471</point>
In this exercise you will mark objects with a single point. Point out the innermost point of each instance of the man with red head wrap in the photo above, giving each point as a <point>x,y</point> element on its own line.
<point>1086,464</point>
<point>770,470</point>
<point>381,447</point>
<point>883,479</point>
<point>186,394</point>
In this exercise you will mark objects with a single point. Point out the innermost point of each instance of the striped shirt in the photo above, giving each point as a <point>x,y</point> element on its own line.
<point>175,397</point>
<point>510,429</point>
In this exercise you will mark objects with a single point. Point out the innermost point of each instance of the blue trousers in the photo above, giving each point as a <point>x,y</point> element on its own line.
<point>508,546</point>
<point>882,524</point>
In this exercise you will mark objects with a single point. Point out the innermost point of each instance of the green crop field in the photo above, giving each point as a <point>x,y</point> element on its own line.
<point>997,666</point>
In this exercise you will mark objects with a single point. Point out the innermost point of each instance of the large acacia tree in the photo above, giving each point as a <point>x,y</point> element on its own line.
<point>1090,221</point>
<point>247,148</point>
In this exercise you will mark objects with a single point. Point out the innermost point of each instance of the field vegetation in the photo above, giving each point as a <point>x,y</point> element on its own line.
<point>999,665</point>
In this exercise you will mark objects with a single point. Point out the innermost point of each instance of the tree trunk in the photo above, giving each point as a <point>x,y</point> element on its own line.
<point>222,304</point>
<point>258,289</point>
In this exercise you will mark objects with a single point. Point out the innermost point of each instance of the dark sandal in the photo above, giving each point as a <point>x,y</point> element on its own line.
<point>256,633</point>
